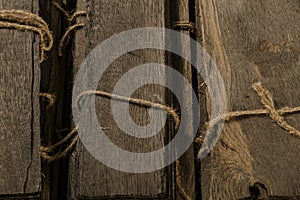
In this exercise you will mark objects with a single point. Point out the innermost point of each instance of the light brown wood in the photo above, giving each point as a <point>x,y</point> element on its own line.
<point>254,156</point>
<point>20,168</point>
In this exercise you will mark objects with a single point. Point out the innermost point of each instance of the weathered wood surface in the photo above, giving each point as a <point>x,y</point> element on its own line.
<point>185,166</point>
<point>20,168</point>
<point>89,177</point>
<point>254,156</point>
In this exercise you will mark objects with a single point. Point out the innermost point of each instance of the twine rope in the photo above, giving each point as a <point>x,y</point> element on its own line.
<point>50,97</point>
<point>267,101</point>
<point>181,190</point>
<point>26,21</point>
<point>138,102</point>
<point>65,36</point>
<point>71,18</point>
<point>62,154</point>
<point>185,25</point>
<point>45,151</point>
<point>264,95</point>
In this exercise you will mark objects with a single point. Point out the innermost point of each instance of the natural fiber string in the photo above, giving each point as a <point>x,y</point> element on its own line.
<point>46,150</point>
<point>139,102</point>
<point>66,34</point>
<point>70,17</point>
<point>25,21</point>
<point>60,155</point>
<point>72,27</point>
<point>268,102</point>
<point>50,97</point>
<point>58,6</point>
<point>265,98</point>
<point>185,26</point>
<point>77,14</point>
<point>51,148</point>
<point>181,191</point>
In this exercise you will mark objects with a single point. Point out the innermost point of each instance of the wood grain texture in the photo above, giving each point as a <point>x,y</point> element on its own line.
<point>185,168</point>
<point>20,168</point>
<point>89,178</point>
<point>254,156</point>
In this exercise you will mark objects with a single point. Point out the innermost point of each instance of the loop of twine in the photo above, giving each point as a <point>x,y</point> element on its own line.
<point>50,97</point>
<point>65,36</point>
<point>45,151</point>
<point>71,27</point>
<point>185,25</point>
<point>26,21</point>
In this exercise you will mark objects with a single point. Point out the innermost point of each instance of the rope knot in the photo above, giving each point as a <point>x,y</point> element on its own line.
<point>268,102</point>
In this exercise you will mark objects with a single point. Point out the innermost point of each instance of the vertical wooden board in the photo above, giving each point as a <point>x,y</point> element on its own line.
<point>185,166</point>
<point>254,157</point>
<point>89,178</point>
<point>19,108</point>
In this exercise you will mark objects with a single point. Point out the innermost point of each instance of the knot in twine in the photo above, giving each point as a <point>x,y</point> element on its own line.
<point>267,100</point>
<point>26,21</point>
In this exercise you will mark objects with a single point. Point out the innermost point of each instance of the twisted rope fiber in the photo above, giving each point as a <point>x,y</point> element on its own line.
<point>264,95</point>
<point>65,36</point>
<point>267,101</point>
<point>70,18</point>
<point>45,150</point>
<point>50,97</point>
<point>139,102</point>
<point>26,21</point>
<point>185,25</point>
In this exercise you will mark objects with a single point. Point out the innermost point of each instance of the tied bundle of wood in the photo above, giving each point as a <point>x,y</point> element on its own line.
<point>26,21</point>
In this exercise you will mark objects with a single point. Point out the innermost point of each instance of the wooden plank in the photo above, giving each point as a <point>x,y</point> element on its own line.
<point>185,166</point>
<point>20,168</point>
<point>89,177</point>
<point>254,156</point>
